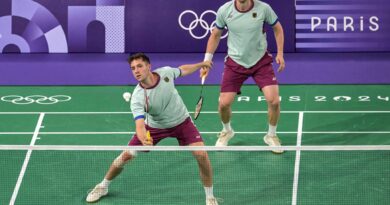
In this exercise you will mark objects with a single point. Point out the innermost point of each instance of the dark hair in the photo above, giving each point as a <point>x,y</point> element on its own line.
<point>141,56</point>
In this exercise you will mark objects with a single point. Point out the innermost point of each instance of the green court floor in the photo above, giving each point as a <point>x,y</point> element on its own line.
<point>318,115</point>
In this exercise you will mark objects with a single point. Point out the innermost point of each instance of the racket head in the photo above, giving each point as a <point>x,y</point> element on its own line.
<point>198,107</point>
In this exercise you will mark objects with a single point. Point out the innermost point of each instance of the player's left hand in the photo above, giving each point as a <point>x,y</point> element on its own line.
<point>280,61</point>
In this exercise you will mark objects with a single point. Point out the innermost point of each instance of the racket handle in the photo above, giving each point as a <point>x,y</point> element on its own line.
<point>203,79</point>
<point>148,137</point>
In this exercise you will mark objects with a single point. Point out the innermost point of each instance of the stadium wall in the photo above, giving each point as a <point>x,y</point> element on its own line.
<point>74,42</point>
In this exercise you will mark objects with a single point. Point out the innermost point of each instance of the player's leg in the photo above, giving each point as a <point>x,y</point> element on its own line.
<point>264,77</point>
<point>206,173</point>
<point>118,164</point>
<point>233,77</point>
<point>205,170</point>
<point>188,135</point>
<point>226,100</point>
<point>115,169</point>
<point>271,94</point>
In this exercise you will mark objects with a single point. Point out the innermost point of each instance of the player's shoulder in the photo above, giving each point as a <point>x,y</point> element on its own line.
<point>168,71</point>
<point>163,69</point>
<point>138,90</point>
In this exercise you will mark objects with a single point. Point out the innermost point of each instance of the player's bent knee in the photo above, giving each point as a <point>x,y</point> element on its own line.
<point>200,154</point>
<point>223,104</point>
<point>274,103</point>
<point>123,158</point>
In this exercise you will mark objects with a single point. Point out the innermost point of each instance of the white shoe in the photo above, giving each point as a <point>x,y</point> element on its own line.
<point>224,137</point>
<point>97,192</point>
<point>273,141</point>
<point>211,201</point>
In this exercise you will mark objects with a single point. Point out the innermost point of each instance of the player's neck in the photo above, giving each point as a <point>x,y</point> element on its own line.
<point>243,5</point>
<point>150,81</point>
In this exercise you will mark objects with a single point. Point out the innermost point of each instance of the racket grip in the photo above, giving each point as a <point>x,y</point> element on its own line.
<point>203,79</point>
<point>148,137</point>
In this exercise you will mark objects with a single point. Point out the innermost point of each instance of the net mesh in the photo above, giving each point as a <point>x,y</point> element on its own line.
<point>169,175</point>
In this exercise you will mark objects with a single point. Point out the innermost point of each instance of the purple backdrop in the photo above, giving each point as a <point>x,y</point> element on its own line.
<point>118,26</point>
<point>112,69</point>
<point>173,26</point>
<point>161,27</point>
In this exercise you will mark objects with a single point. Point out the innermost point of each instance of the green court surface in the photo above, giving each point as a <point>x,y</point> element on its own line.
<point>312,115</point>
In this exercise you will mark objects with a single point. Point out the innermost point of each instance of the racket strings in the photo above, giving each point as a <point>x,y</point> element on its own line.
<point>199,104</point>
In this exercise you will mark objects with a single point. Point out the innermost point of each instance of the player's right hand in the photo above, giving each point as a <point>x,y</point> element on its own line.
<point>148,140</point>
<point>204,70</point>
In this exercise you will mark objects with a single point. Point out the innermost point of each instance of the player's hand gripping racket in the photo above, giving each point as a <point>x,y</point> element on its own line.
<point>148,137</point>
<point>198,107</point>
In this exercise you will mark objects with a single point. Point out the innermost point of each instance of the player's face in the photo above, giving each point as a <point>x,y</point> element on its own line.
<point>140,69</point>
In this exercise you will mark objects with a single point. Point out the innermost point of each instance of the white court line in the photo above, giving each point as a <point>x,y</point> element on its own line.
<point>236,132</point>
<point>27,159</point>
<point>208,112</point>
<point>297,159</point>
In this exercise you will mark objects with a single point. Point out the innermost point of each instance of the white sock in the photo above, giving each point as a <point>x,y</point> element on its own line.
<point>209,192</point>
<point>105,183</point>
<point>226,126</point>
<point>272,130</point>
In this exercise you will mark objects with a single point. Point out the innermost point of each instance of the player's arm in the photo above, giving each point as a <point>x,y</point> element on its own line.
<point>190,68</point>
<point>213,42</point>
<point>279,37</point>
<point>212,45</point>
<point>141,132</point>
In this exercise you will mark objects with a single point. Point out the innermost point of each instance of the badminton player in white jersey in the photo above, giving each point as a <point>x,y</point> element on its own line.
<point>159,110</point>
<point>247,57</point>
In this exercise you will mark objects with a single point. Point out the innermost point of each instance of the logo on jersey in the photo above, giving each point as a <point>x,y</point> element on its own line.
<point>254,15</point>
<point>166,79</point>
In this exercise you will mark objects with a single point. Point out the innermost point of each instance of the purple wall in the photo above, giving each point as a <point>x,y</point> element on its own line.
<point>155,26</point>
<point>112,69</point>
<point>118,26</point>
<point>165,27</point>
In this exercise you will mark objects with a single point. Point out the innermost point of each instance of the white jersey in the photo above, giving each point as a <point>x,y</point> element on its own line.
<point>247,42</point>
<point>165,108</point>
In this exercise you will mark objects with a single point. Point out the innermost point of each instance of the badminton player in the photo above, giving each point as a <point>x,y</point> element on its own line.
<point>159,110</point>
<point>247,57</point>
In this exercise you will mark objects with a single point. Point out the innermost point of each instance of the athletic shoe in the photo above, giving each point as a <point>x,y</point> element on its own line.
<point>98,192</point>
<point>273,141</point>
<point>224,137</point>
<point>211,201</point>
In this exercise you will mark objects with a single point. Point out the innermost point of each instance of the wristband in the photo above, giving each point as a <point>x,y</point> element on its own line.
<point>208,56</point>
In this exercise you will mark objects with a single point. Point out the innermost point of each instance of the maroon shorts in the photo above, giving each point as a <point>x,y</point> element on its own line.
<point>186,133</point>
<point>234,74</point>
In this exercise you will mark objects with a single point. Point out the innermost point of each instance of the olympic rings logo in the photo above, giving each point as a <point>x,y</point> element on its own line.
<point>198,20</point>
<point>39,99</point>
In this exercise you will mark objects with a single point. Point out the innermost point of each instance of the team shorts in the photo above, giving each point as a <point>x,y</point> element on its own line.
<point>186,133</point>
<point>234,74</point>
